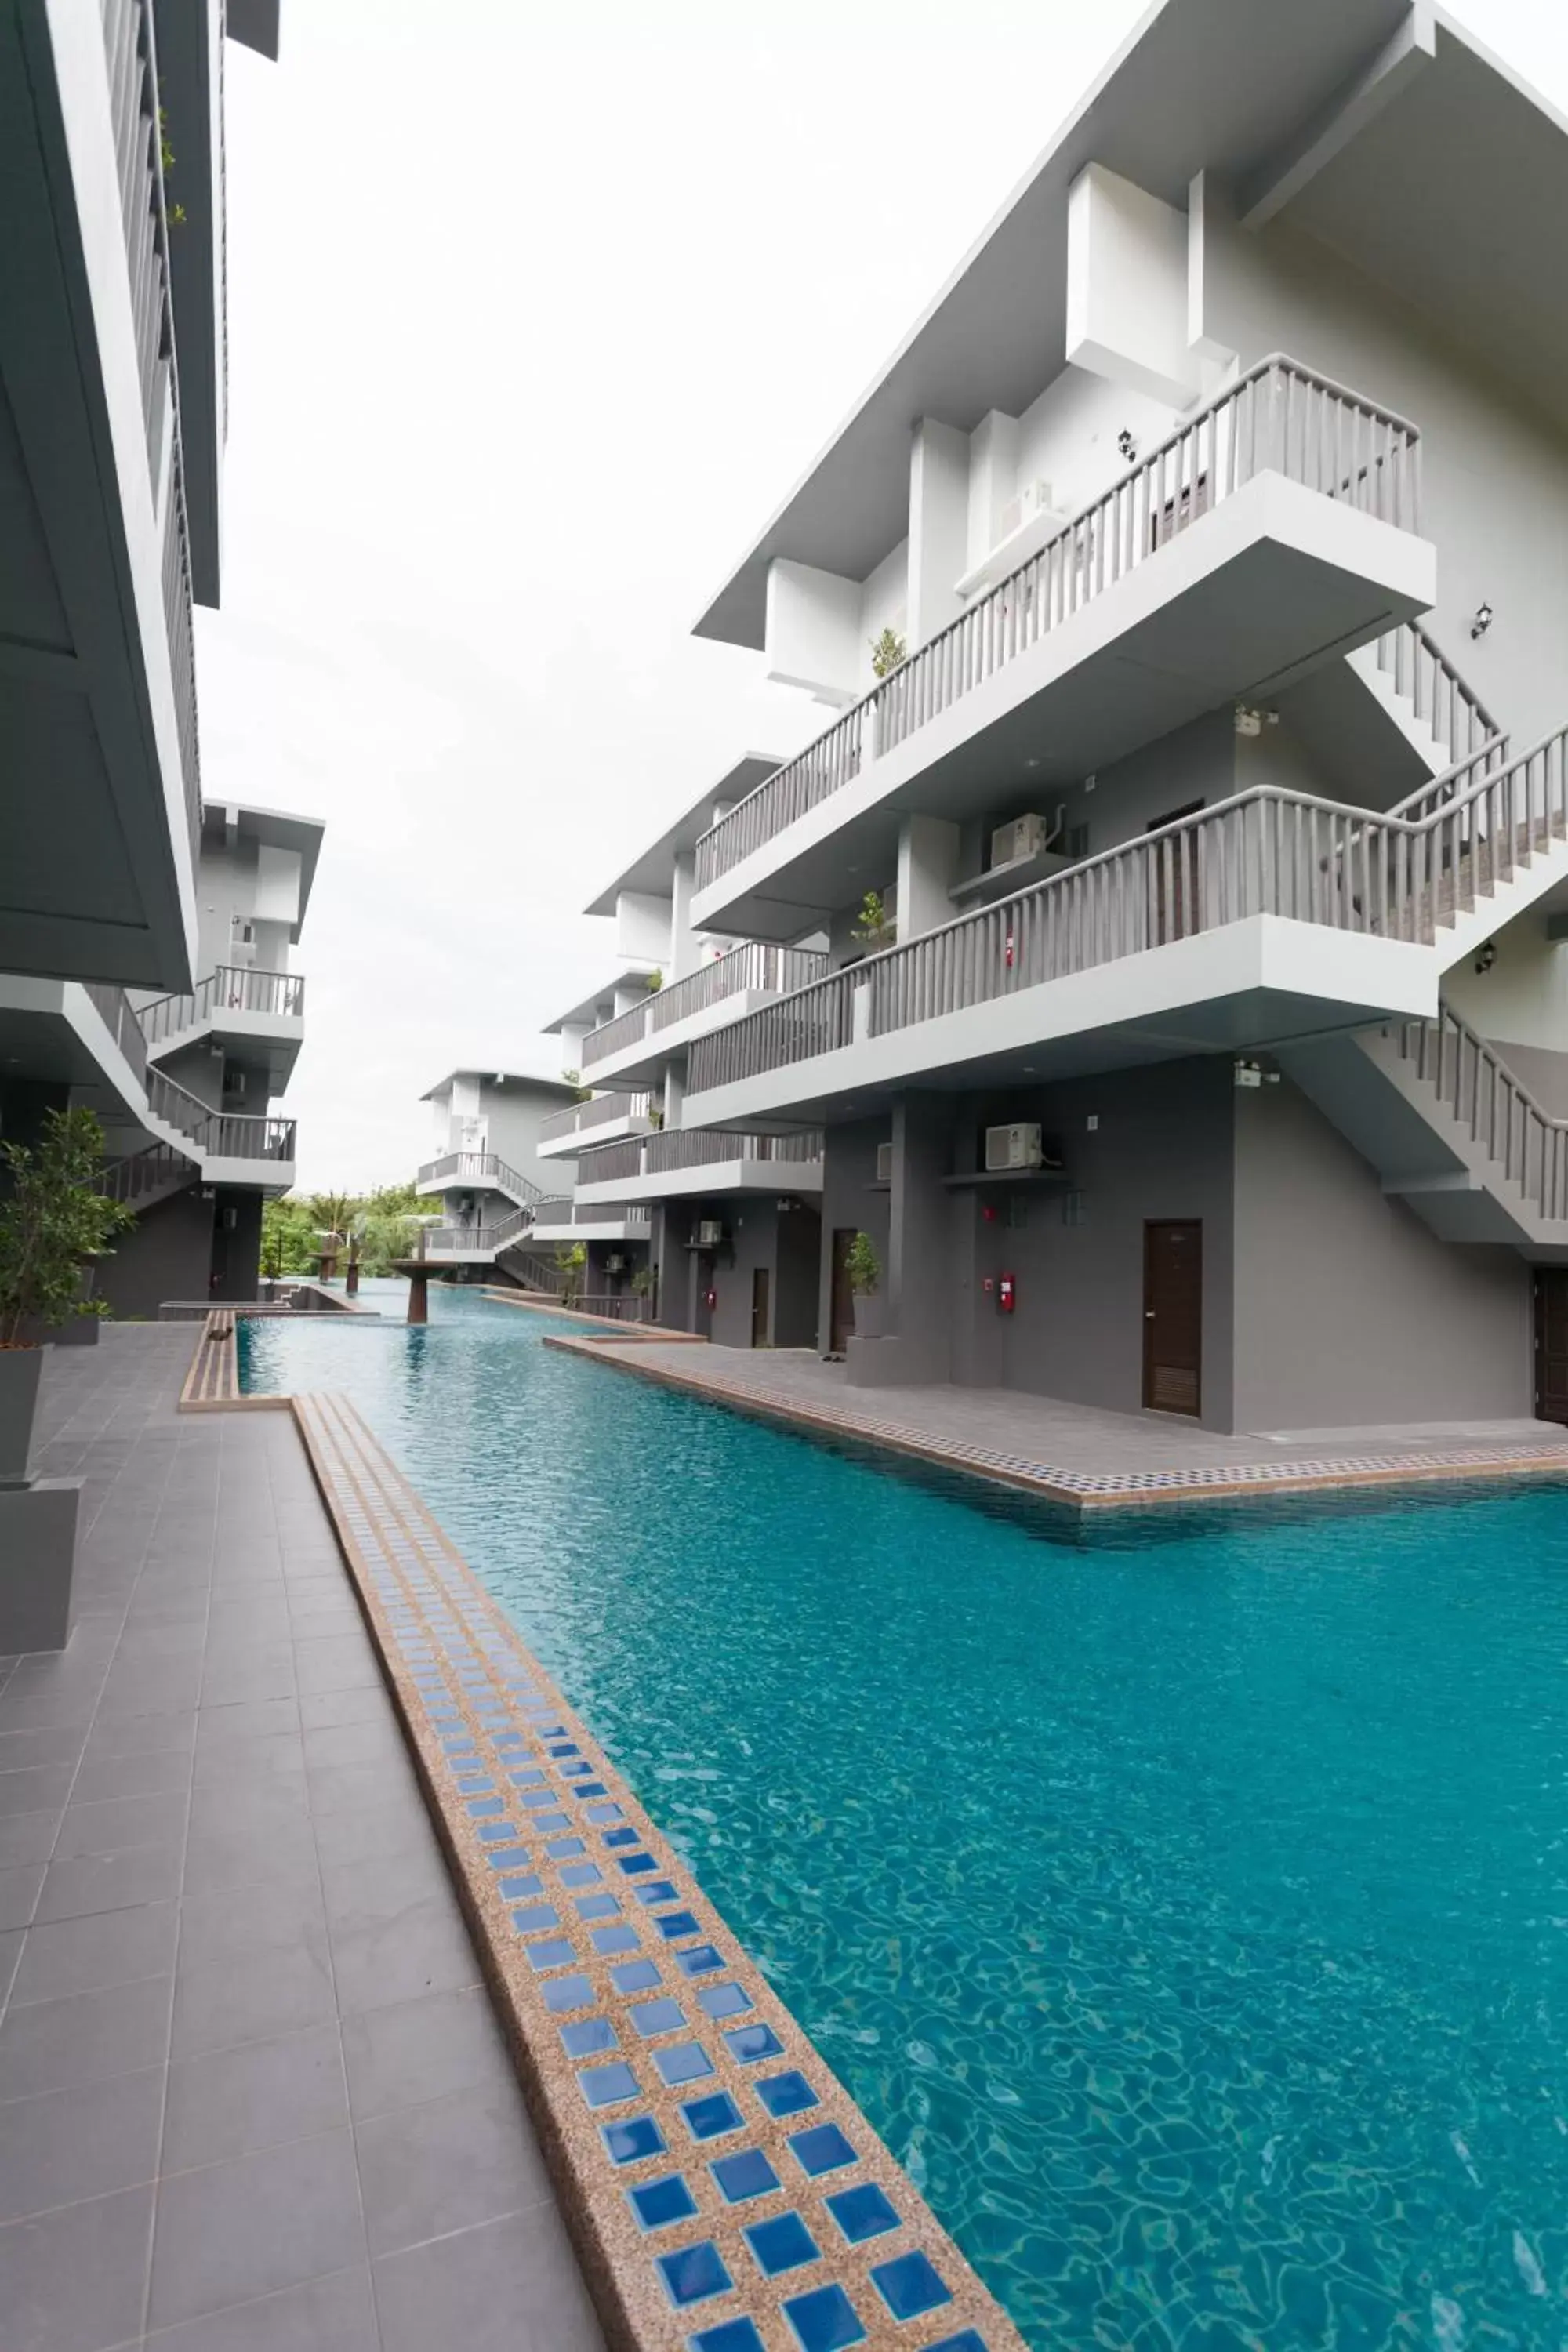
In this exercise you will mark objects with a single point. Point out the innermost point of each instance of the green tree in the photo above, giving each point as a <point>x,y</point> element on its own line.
<point>52,1222</point>
<point>387,1225</point>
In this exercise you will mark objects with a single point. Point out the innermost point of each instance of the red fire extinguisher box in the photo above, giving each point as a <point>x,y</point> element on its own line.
<point>1006,1294</point>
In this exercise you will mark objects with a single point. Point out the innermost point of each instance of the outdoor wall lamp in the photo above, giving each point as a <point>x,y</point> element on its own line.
<point>1487,956</point>
<point>1127,444</point>
<point>1482,621</point>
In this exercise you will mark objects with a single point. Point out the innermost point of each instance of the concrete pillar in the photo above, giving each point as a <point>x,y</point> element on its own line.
<point>351,1284</point>
<point>927,865</point>
<point>418,1298</point>
<point>674,1094</point>
<point>939,528</point>
<point>572,1037</point>
<point>918,1275</point>
<point>683,957</point>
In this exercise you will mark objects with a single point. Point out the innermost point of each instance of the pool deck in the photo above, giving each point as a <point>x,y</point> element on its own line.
<point>254,2096</point>
<point>1073,1455</point>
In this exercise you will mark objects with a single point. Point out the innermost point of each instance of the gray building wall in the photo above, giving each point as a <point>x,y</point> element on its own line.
<point>1348,1308</point>
<point>167,1254</point>
<point>757,1234</point>
<point>848,1173</point>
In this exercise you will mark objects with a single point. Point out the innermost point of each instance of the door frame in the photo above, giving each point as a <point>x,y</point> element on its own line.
<point>761,1303</point>
<point>1151,1225</point>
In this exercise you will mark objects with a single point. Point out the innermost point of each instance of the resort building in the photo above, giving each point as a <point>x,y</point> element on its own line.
<point>144,929</point>
<point>1178,885</point>
<point>494,1202</point>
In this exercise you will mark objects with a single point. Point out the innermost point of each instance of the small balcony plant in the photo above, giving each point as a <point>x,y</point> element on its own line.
<point>888,652</point>
<point>54,1220</point>
<point>865,1271</point>
<point>874,928</point>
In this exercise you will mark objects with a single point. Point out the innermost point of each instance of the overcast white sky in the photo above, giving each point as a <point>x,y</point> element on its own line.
<point>537,308</point>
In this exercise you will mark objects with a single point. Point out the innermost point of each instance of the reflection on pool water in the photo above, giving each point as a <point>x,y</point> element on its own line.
<point>1186,1903</point>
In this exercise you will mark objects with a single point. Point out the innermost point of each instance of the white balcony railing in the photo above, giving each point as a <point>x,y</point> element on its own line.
<point>1279,416</point>
<point>232,988</point>
<point>1528,1146</point>
<point>755,966</point>
<point>483,1169</point>
<point>1273,852</point>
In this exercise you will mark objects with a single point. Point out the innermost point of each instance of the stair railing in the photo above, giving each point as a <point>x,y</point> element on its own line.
<point>1498,1111</point>
<point>1443,701</point>
<point>219,1134</point>
<point>482,1168</point>
<point>230,988</point>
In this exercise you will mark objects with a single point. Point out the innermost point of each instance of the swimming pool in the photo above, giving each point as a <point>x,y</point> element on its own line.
<point>1186,1904</point>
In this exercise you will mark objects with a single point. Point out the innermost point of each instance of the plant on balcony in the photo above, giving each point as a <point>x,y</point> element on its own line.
<point>888,652</point>
<point>863,1266</point>
<point>174,214</point>
<point>655,1116</point>
<point>655,980</point>
<point>875,929</point>
<point>572,1259</point>
<point>580,1093</point>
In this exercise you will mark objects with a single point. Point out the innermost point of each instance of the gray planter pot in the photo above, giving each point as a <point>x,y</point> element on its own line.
<point>869,1315</point>
<point>20,1370</point>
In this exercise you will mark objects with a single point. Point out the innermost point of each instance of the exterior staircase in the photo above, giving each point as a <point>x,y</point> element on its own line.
<point>1424,696</point>
<point>1449,1128</point>
<point>532,1271</point>
<point>478,1171</point>
<point>143,1178</point>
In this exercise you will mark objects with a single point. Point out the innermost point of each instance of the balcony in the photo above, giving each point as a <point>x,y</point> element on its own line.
<point>606,1119</point>
<point>475,1244</point>
<point>1271,918</point>
<point>233,1147</point>
<point>1276,528</point>
<point>566,1219</point>
<point>262,1012</point>
<point>481,1172</point>
<point>684,1163</point>
<point>640,1045</point>
<point>98,705</point>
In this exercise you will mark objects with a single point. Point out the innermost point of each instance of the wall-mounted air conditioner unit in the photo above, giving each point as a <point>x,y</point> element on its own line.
<point>1012,1147</point>
<point>884,1163</point>
<point>1034,499</point>
<point>1022,836</point>
<point>709,1234</point>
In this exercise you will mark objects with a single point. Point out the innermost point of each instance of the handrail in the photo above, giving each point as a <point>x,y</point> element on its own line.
<point>1475,1084</point>
<point>122,1020</point>
<point>597,1111</point>
<point>220,1134</point>
<point>754,964</point>
<point>1442,699</point>
<point>154,1170</point>
<point>609,1160</point>
<point>698,1146</point>
<point>459,1240</point>
<point>485,1169</point>
<point>229,988</point>
<point>562,1209</point>
<point>1266,851</point>
<point>1280,415</point>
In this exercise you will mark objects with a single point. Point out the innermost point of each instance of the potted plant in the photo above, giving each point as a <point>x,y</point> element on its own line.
<point>875,928</point>
<point>865,1271</point>
<point>644,1283</point>
<point>889,652</point>
<point>53,1222</point>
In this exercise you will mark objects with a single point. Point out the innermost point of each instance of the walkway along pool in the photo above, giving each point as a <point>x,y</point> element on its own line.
<point>1187,1905</point>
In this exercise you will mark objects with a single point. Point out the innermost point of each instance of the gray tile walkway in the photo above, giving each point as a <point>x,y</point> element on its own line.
<point>252,2094</point>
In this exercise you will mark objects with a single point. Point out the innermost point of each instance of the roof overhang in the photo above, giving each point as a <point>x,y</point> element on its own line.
<point>1445,185</point>
<point>559,1089</point>
<point>653,871</point>
<point>277,829</point>
<point>254,23</point>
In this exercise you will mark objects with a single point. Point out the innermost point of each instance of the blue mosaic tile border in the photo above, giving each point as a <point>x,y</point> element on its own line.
<point>1089,1487</point>
<point>725,2192</point>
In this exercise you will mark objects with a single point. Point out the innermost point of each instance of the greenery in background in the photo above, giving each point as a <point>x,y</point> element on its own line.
<point>174,214</point>
<point>863,1266</point>
<point>875,930</point>
<point>384,1225</point>
<point>889,652</point>
<point>572,1259</point>
<point>573,1078</point>
<point>52,1222</point>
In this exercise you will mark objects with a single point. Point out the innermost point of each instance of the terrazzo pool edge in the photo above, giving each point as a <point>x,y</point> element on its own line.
<point>619,2255</point>
<point>1092,1491</point>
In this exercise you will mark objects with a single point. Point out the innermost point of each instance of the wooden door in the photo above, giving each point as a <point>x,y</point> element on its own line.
<point>1177,910</point>
<point>1173,1315</point>
<point>759,1307</point>
<point>1552,1343</point>
<point>841,1313</point>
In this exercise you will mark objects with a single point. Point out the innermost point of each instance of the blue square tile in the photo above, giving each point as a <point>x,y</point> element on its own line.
<point>686,2062</point>
<point>745,2174</point>
<point>708,2118</point>
<point>527,1775</point>
<point>633,1863</point>
<point>588,2037</point>
<point>561,1849</point>
<point>678,1922</point>
<point>511,1739</point>
<point>603,1814</point>
<point>474,1784</point>
<point>589,1788</point>
<point>652,2017</point>
<point>550,1731</point>
<point>567,1748</point>
<point>634,1976</point>
<point>555,1954</point>
<point>658,1890</point>
<point>533,1916</point>
<point>730,2336</point>
<point>783,2243</point>
<point>525,1884</point>
<point>536,1800</point>
<point>630,2142</point>
<point>596,1906</point>
<point>862,2212</point>
<point>552,1822</point>
<point>698,1960</point>
<point>562,1993</point>
<point>747,2044</point>
<point>694,2273</point>
<point>581,1874</point>
<point>968,2339</point>
<point>660,2202</point>
<point>605,2086</point>
<point>723,2000</point>
<point>510,1857</point>
<point>823,2320</point>
<point>620,1837</point>
<point>822,2148</point>
<point>493,1833</point>
<point>614,1939</point>
<point>787,2095</point>
<point>478,1807</point>
<point>575,1772</point>
<point>909,2286</point>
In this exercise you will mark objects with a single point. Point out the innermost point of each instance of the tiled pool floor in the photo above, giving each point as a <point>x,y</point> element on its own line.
<point>253,2097</point>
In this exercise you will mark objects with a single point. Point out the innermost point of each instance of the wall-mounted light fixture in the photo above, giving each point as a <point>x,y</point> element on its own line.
<point>1487,956</point>
<point>1482,621</point>
<point>1127,442</point>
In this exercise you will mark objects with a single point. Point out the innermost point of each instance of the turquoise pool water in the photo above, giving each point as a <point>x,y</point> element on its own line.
<point>1187,1905</point>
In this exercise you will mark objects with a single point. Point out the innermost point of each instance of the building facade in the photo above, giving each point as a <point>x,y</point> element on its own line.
<point>1185,845</point>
